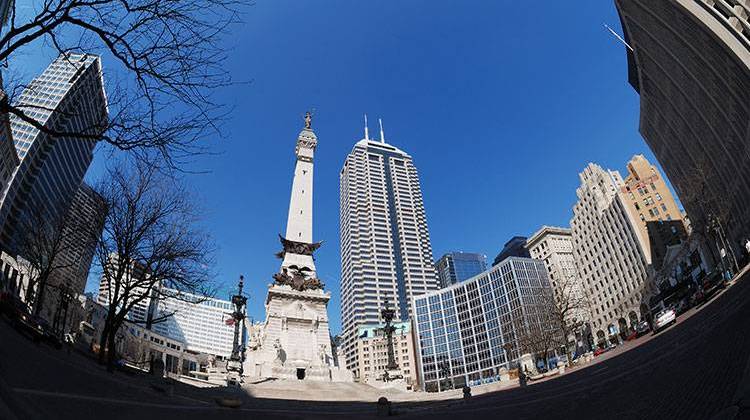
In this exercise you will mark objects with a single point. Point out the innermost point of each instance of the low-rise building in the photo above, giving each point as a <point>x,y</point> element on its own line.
<point>372,348</point>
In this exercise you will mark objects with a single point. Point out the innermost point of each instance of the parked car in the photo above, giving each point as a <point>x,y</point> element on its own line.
<point>708,286</point>
<point>601,350</point>
<point>48,335</point>
<point>25,323</point>
<point>681,307</point>
<point>664,318</point>
<point>642,328</point>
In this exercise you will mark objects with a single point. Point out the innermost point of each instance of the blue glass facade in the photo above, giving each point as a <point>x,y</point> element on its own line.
<point>462,330</point>
<point>454,267</point>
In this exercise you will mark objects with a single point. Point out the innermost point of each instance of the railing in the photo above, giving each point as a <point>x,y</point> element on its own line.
<point>734,14</point>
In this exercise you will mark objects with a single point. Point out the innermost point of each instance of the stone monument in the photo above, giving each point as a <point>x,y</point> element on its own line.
<point>294,342</point>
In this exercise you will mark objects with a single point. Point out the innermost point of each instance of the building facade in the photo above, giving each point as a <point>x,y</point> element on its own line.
<point>554,247</point>
<point>197,321</point>
<point>648,198</point>
<point>462,330</point>
<point>515,247</point>
<point>67,97</point>
<point>690,62</point>
<point>608,253</point>
<point>8,157</point>
<point>454,267</point>
<point>85,221</point>
<point>385,243</point>
<point>142,311</point>
<point>372,351</point>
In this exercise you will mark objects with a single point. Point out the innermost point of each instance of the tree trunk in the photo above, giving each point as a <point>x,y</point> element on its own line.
<point>111,351</point>
<point>103,342</point>
<point>42,286</point>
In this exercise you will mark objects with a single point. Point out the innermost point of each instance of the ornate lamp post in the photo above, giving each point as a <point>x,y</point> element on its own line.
<point>235,360</point>
<point>387,313</point>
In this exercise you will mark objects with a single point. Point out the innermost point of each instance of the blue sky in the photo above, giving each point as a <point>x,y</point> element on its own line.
<point>500,104</point>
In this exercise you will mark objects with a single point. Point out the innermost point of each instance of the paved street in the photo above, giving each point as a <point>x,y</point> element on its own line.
<point>690,371</point>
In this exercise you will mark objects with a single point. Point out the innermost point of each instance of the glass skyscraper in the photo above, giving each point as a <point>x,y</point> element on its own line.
<point>454,267</point>
<point>462,330</point>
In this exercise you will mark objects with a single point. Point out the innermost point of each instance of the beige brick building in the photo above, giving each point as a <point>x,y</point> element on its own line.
<point>372,350</point>
<point>648,198</point>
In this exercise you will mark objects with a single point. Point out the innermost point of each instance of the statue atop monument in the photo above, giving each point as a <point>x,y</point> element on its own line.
<point>308,120</point>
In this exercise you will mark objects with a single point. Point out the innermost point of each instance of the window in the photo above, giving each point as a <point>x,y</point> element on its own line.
<point>658,196</point>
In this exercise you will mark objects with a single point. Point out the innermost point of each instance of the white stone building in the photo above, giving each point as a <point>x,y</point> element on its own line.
<point>385,243</point>
<point>197,321</point>
<point>608,252</point>
<point>554,246</point>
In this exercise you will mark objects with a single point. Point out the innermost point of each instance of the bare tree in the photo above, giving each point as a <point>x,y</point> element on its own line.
<point>569,307</point>
<point>151,248</point>
<point>47,249</point>
<point>538,331</point>
<point>167,63</point>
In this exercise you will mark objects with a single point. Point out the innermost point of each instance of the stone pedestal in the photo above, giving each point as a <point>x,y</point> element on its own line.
<point>295,340</point>
<point>527,362</point>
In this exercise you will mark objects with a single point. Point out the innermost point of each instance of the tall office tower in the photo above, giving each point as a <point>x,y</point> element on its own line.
<point>608,252</point>
<point>68,97</point>
<point>469,333</point>
<point>197,321</point>
<point>690,62</point>
<point>385,244</point>
<point>83,226</point>
<point>554,246</point>
<point>454,267</point>
<point>648,199</point>
<point>515,247</point>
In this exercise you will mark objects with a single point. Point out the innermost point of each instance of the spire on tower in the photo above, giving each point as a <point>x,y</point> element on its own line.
<point>382,136</point>
<point>367,132</point>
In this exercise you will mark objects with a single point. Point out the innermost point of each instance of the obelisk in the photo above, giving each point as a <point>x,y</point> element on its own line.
<point>295,339</point>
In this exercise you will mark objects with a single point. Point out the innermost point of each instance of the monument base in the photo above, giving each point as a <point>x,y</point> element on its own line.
<point>294,342</point>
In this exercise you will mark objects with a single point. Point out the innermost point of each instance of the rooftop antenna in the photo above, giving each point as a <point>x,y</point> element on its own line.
<point>382,137</point>
<point>367,132</point>
<point>618,37</point>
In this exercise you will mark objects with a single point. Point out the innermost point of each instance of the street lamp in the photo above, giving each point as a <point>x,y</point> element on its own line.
<point>388,314</point>
<point>238,317</point>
